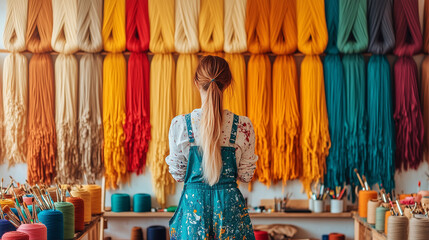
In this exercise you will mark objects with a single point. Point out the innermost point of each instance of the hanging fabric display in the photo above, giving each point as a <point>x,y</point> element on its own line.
<point>186,43</point>
<point>114,91</point>
<point>162,102</point>
<point>314,139</point>
<point>90,121</point>
<point>64,41</point>
<point>335,97</point>
<point>381,128</point>
<point>211,26</point>
<point>424,89</point>
<point>42,143</point>
<point>15,86</point>
<point>286,161</point>
<point>259,99</point>
<point>137,124</point>
<point>353,39</point>
<point>235,42</point>
<point>408,116</point>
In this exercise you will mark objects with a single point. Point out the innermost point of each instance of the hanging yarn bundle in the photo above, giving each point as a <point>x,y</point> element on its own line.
<point>64,41</point>
<point>42,137</point>
<point>186,43</point>
<point>114,91</point>
<point>259,83</point>
<point>335,97</point>
<point>408,116</point>
<point>314,139</point>
<point>285,114</point>
<point>162,104</point>
<point>235,42</point>
<point>90,122</point>
<point>381,129</point>
<point>424,88</point>
<point>352,39</point>
<point>211,25</point>
<point>15,86</point>
<point>137,123</point>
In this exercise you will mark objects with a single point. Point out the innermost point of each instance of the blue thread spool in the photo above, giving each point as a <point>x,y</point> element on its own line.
<point>142,202</point>
<point>121,202</point>
<point>325,237</point>
<point>6,226</point>
<point>54,222</point>
<point>156,233</point>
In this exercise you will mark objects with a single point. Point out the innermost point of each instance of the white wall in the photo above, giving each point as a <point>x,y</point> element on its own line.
<point>120,229</point>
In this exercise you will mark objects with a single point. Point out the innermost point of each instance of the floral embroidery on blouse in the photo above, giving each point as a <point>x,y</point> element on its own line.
<point>244,144</point>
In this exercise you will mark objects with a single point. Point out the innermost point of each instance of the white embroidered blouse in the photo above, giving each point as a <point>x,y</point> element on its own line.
<point>180,145</point>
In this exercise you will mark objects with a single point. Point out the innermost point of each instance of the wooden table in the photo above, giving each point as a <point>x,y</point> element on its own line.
<point>365,231</point>
<point>92,229</point>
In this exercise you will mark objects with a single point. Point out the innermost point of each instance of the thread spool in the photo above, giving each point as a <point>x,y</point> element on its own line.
<point>15,236</point>
<point>86,197</point>
<point>7,202</point>
<point>28,199</point>
<point>386,220</point>
<point>35,231</point>
<point>261,235</point>
<point>136,233</point>
<point>397,228</point>
<point>310,204</point>
<point>142,202</point>
<point>54,222</point>
<point>380,216</point>
<point>403,196</point>
<point>318,206</point>
<point>364,197</point>
<point>325,237</point>
<point>95,192</point>
<point>421,194</point>
<point>5,226</point>
<point>337,236</point>
<point>419,229</point>
<point>425,200</point>
<point>156,233</point>
<point>337,206</point>
<point>120,202</point>
<point>79,213</point>
<point>372,206</point>
<point>67,209</point>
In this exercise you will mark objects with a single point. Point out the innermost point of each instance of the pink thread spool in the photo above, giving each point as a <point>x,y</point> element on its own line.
<point>15,236</point>
<point>28,200</point>
<point>35,231</point>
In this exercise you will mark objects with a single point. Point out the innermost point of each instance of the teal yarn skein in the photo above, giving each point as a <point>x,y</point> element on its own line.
<point>121,202</point>
<point>54,222</point>
<point>68,215</point>
<point>142,202</point>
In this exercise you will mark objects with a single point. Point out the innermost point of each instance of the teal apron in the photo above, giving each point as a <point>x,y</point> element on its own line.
<point>211,212</point>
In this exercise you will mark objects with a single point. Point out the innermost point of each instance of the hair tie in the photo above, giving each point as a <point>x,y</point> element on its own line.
<point>212,80</point>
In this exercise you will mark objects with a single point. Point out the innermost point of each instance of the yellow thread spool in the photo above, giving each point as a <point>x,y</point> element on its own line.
<point>86,197</point>
<point>7,202</point>
<point>95,192</point>
<point>364,197</point>
<point>388,214</point>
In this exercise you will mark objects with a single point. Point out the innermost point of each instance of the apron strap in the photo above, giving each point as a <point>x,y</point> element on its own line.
<point>234,129</point>
<point>189,126</point>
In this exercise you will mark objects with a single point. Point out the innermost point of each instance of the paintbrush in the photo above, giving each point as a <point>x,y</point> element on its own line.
<point>27,212</point>
<point>18,209</point>
<point>45,198</point>
<point>360,180</point>
<point>12,221</point>
<point>399,208</point>
<point>6,209</point>
<point>418,190</point>
<point>342,193</point>
<point>365,182</point>
<point>69,191</point>
<point>1,213</point>
<point>1,188</point>
<point>39,198</point>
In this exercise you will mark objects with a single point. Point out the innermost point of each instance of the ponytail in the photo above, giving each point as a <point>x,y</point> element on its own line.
<point>212,76</point>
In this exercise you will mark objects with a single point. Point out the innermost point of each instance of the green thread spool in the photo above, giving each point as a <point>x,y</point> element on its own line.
<point>172,209</point>
<point>380,214</point>
<point>121,202</point>
<point>68,215</point>
<point>142,202</point>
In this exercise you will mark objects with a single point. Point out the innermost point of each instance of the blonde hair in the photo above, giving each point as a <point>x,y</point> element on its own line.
<point>212,76</point>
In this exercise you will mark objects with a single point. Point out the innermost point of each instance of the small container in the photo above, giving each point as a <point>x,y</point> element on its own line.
<point>310,204</point>
<point>318,206</point>
<point>337,206</point>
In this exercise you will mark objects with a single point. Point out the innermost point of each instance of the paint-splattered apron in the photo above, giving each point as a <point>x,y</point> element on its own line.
<point>211,212</point>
